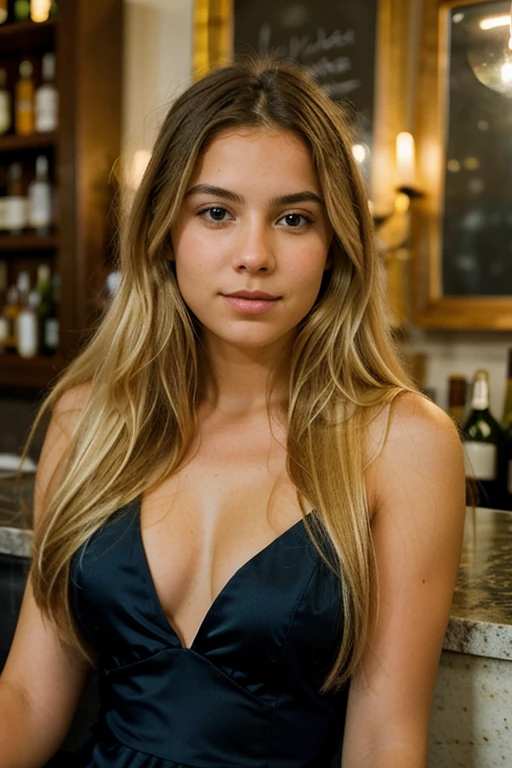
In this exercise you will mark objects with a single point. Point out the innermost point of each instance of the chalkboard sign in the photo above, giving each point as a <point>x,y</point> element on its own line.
<point>334,39</point>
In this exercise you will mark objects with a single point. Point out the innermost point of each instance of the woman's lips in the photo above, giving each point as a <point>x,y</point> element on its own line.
<point>256,305</point>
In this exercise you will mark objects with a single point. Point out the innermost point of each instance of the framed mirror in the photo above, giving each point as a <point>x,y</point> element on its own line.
<point>462,227</point>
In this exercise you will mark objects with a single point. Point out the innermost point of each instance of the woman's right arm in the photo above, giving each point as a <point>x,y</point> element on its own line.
<point>42,681</point>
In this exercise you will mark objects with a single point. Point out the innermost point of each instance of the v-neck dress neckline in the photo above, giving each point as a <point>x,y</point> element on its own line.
<point>246,693</point>
<point>230,584</point>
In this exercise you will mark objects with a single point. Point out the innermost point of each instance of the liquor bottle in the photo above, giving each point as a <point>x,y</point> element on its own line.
<point>4,325</point>
<point>5,104</point>
<point>457,398</point>
<point>41,10</point>
<point>24,120</point>
<point>40,207</point>
<point>47,97</point>
<point>10,312</point>
<point>47,312</point>
<point>483,442</point>
<point>507,429</point>
<point>16,204</point>
<point>4,13</point>
<point>27,336</point>
<point>21,10</point>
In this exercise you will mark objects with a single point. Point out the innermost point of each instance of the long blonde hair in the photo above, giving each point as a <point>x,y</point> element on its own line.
<point>142,363</point>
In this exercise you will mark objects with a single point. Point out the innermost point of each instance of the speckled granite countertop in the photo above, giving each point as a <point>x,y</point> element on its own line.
<point>481,616</point>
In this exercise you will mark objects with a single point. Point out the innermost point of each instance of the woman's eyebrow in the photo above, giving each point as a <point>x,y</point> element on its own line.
<point>296,197</point>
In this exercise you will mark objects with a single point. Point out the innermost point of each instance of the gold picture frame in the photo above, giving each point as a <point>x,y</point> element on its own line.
<point>430,307</point>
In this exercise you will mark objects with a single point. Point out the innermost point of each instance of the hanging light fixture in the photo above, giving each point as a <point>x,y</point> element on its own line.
<point>490,57</point>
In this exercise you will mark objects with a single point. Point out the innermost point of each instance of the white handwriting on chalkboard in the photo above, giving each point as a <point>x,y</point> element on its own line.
<point>339,90</point>
<point>301,46</point>
<point>326,67</point>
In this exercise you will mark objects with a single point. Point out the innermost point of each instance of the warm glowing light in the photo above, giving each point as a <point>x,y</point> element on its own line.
<point>453,166</point>
<point>506,72</point>
<point>40,10</point>
<point>359,152</point>
<point>471,163</point>
<point>495,21</point>
<point>405,160</point>
<point>138,167</point>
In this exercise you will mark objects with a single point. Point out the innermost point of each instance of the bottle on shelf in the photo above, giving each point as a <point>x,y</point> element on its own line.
<point>16,204</point>
<point>10,313</point>
<point>23,286</point>
<point>5,104</point>
<point>47,97</point>
<point>457,398</point>
<point>21,10</point>
<point>4,325</point>
<point>24,112</point>
<point>27,336</point>
<point>506,424</point>
<point>40,206</point>
<point>41,10</point>
<point>48,320</point>
<point>4,11</point>
<point>483,443</point>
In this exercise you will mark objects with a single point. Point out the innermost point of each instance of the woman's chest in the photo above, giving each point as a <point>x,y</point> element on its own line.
<point>203,524</point>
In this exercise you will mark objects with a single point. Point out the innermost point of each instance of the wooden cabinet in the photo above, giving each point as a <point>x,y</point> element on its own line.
<point>86,36</point>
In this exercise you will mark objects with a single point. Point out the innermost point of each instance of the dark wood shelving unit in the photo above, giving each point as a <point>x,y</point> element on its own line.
<point>40,371</point>
<point>27,243</point>
<point>12,142</point>
<point>86,36</point>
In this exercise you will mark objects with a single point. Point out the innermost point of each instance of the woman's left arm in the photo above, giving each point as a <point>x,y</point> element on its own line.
<point>416,490</point>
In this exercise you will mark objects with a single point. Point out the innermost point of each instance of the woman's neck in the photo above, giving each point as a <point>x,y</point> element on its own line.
<point>239,382</point>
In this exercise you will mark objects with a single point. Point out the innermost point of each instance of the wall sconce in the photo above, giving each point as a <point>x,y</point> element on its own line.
<point>392,228</point>
<point>490,57</point>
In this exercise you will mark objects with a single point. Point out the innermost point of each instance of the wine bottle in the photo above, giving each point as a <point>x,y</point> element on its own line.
<point>457,398</point>
<point>5,103</point>
<point>24,100</point>
<point>507,430</point>
<point>483,441</point>
<point>47,97</point>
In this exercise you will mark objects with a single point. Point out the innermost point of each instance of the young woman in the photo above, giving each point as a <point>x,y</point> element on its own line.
<point>245,515</point>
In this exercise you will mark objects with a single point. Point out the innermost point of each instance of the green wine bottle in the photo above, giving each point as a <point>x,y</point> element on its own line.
<point>484,443</point>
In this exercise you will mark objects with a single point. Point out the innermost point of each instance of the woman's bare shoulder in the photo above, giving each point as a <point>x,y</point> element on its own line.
<point>65,415</point>
<point>410,417</point>
<point>69,406</point>
<point>415,439</point>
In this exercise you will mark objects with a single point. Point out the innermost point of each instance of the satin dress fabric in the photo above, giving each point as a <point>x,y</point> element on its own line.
<point>245,694</point>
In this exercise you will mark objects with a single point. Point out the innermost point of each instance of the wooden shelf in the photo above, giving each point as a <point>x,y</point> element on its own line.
<point>28,243</point>
<point>17,373</point>
<point>34,141</point>
<point>26,35</point>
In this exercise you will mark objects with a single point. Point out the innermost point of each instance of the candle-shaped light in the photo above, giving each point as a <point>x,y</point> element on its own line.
<point>405,160</point>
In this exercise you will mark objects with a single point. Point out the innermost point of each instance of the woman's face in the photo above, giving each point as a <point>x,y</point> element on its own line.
<point>251,238</point>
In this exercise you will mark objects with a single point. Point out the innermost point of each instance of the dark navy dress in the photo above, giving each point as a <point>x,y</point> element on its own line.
<point>245,695</point>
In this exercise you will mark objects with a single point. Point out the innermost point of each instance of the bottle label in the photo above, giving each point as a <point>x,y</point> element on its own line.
<point>480,460</point>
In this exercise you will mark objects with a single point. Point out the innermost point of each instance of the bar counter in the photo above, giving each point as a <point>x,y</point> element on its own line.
<point>471,724</point>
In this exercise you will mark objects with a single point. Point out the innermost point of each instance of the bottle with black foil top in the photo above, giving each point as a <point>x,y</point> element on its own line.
<point>484,444</point>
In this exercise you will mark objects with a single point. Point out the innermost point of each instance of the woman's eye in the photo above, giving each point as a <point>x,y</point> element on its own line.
<point>214,213</point>
<point>295,220</point>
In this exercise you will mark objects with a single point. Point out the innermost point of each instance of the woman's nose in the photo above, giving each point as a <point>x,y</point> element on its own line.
<point>254,251</point>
